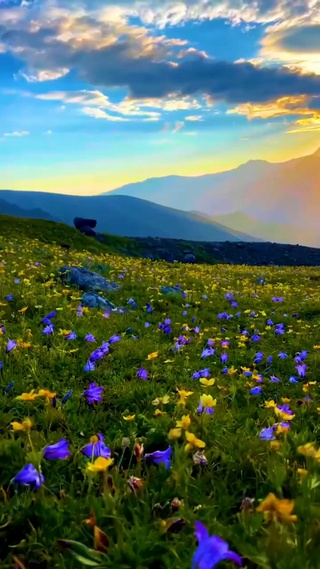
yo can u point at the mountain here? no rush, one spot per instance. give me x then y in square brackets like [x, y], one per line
[7, 208]
[239, 221]
[126, 216]
[278, 194]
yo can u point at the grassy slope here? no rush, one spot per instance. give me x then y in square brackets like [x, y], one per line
[239, 463]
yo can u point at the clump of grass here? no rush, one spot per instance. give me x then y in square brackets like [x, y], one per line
[109, 519]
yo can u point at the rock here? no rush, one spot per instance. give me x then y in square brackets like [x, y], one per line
[189, 258]
[95, 300]
[171, 290]
[79, 222]
[86, 230]
[87, 280]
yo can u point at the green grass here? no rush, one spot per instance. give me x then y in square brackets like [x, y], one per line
[137, 524]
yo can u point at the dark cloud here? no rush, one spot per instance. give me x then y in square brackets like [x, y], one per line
[300, 39]
[224, 81]
[146, 77]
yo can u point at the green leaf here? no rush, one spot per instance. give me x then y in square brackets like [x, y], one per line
[82, 553]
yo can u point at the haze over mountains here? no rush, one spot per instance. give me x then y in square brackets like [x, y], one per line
[277, 202]
[123, 215]
[256, 201]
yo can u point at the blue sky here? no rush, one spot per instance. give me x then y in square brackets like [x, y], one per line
[92, 98]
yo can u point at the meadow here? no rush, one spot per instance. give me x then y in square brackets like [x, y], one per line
[180, 433]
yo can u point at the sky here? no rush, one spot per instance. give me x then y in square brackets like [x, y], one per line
[95, 94]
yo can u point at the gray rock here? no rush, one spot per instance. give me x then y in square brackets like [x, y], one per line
[80, 222]
[171, 290]
[189, 258]
[86, 280]
[86, 230]
[95, 300]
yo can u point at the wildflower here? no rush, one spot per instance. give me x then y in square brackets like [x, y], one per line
[201, 373]
[193, 442]
[11, 345]
[59, 450]
[66, 397]
[48, 330]
[174, 433]
[275, 509]
[199, 458]
[93, 393]
[256, 390]
[71, 336]
[164, 400]
[184, 422]
[142, 373]
[153, 356]
[301, 369]
[46, 393]
[309, 450]
[135, 483]
[207, 382]
[183, 396]
[207, 352]
[90, 338]
[211, 550]
[27, 396]
[159, 413]
[160, 457]
[207, 404]
[101, 464]
[96, 447]
[129, 417]
[90, 366]
[115, 338]
[10, 385]
[25, 425]
[267, 434]
[29, 476]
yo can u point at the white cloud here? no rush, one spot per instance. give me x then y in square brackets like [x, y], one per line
[17, 133]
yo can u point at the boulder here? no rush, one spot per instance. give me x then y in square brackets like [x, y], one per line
[171, 290]
[79, 222]
[86, 230]
[189, 258]
[86, 280]
[95, 300]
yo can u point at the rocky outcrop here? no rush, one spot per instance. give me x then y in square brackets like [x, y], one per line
[86, 226]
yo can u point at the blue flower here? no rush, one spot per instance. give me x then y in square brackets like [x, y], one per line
[160, 456]
[93, 450]
[29, 476]
[58, 451]
[256, 390]
[211, 550]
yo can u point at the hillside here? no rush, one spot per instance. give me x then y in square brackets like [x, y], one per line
[7, 208]
[125, 216]
[170, 250]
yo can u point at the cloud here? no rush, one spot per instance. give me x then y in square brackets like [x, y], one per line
[303, 106]
[17, 133]
[100, 114]
[193, 118]
[178, 126]
[298, 46]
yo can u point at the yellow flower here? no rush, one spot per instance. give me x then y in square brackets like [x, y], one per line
[232, 370]
[283, 415]
[184, 422]
[183, 396]
[207, 382]
[277, 510]
[23, 310]
[309, 450]
[285, 400]
[46, 393]
[101, 464]
[193, 442]
[159, 413]
[207, 401]
[25, 425]
[302, 472]
[94, 439]
[129, 417]
[153, 355]
[164, 400]
[174, 434]
[282, 429]
[28, 396]
[275, 445]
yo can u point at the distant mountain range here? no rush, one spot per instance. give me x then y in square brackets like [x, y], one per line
[279, 202]
[258, 201]
[120, 215]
